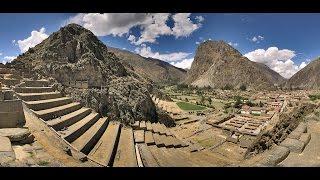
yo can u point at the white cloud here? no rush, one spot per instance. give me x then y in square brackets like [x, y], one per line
[152, 25]
[233, 44]
[146, 51]
[183, 26]
[0, 53]
[184, 64]
[116, 24]
[35, 38]
[278, 60]
[199, 18]
[257, 39]
[197, 42]
[8, 59]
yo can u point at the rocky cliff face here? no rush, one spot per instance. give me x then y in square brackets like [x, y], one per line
[74, 54]
[306, 78]
[218, 64]
[153, 69]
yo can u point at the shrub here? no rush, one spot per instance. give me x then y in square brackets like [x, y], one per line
[243, 87]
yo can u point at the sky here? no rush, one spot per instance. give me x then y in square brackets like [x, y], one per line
[284, 42]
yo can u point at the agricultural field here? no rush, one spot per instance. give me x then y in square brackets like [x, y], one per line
[189, 107]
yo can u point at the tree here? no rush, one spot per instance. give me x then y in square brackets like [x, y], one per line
[238, 103]
[243, 87]
[249, 103]
[227, 87]
[210, 100]
[202, 99]
[260, 104]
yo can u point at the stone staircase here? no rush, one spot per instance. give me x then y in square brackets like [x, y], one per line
[108, 143]
[84, 130]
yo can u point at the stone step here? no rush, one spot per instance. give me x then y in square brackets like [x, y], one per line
[136, 125]
[155, 127]
[198, 162]
[176, 142]
[162, 129]
[168, 132]
[139, 136]
[55, 112]
[143, 125]
[69, 119]
[76, 130]
[149, 138]
[158, 140]
[38, 96]
[37, 83]
[88, 139]
[168, 142]
[126, 154]
[104, 151]
[149, 126]
[146, 156]
[178, 160]
[161, 157]
[33, 89]
[48, 103]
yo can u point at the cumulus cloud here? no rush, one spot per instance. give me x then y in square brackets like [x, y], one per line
[116, 24]
[257, 39]
[35, 38]
[152, 25]
[146, 51]
[278, 60]
[184, 64]
[183, 26]
[233, 44]
[8, 59]
[199, 18]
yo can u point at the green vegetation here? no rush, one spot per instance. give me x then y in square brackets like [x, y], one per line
[43, 163]
[314, 97]
[188, 106]
[243, 87]
[227, 87]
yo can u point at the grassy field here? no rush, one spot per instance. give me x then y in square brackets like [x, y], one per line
[189, 107]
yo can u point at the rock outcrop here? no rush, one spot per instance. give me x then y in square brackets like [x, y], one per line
[74, 54]
[217, 64]
[306, 78]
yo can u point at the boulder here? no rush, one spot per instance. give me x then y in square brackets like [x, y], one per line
[305, 137]
[15, 134]
[294, 145]
[295, 134]
[275, 156]
[302, 127]
[6, 152]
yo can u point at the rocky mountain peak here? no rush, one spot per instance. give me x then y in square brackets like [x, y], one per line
[218, 64]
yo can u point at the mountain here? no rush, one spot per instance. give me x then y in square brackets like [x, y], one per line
[153, 69]
[306, 78]
[217, 64]
[75, 54]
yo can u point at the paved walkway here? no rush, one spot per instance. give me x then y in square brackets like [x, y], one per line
[311, 154]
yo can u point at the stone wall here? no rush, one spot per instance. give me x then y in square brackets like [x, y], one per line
[11, 114]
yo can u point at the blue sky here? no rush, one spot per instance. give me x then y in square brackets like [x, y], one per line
[284, 42]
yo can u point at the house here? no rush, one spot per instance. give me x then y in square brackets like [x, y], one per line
[258, 110]
[245, 109]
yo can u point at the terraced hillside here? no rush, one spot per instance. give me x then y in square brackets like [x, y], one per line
[106, 142]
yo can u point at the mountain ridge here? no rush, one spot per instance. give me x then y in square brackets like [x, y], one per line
[218, 64]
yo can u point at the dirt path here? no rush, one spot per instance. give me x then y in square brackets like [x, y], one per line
[311, 154]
